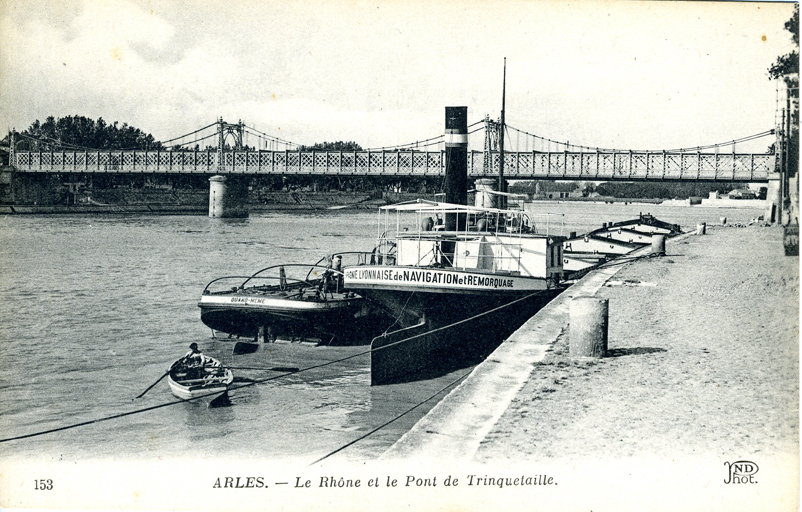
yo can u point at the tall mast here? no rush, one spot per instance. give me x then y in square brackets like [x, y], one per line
[502, 183]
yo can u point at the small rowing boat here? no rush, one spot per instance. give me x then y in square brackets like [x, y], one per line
[209, 379]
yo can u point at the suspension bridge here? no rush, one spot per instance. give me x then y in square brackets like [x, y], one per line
[235, 149]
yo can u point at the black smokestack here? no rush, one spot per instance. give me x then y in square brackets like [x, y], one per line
[456, 183]
[456, 138]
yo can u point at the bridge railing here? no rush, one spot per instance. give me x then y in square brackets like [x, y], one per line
[625, 166]
[629, 166]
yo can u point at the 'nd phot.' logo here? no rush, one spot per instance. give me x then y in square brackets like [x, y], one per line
[741, 472]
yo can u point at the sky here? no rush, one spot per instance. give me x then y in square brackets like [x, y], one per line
[612, 74]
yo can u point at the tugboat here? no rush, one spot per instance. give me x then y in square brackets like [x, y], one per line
[442, 276]
[453, 274]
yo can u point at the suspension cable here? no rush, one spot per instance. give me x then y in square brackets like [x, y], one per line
[269, 137]
[416, 144]
[190, 133]
[195, 141]
[679, 150]
[53, 142]
[408, 145]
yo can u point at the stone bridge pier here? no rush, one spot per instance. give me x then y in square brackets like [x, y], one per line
[228, 196]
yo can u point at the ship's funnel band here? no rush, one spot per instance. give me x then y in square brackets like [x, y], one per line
[456, 138]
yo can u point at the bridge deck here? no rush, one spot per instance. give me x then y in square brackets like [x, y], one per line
[624, 166]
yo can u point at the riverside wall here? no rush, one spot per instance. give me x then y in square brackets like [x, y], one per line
[44, 193]
[53, 200]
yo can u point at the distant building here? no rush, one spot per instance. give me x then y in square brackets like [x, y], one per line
[556, 190]
[741, 193]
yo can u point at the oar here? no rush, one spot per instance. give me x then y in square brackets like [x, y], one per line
[273, 369]
[244, 347]
[221, 400]
[151, 386]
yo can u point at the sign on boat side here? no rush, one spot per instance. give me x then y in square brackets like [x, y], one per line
[434, 280]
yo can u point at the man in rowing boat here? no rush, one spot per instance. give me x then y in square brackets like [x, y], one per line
[195, 362]
[194, 357]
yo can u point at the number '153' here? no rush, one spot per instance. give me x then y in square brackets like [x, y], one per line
[43, 485]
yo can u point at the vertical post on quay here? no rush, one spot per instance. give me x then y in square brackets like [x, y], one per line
[587, 330]
[659, 245]
[701, 228]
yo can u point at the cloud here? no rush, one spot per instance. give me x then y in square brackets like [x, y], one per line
[90, 64]
[621, 74]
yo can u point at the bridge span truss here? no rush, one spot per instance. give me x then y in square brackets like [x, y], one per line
[584, 166]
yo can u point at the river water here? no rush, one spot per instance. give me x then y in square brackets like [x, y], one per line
[95, 308]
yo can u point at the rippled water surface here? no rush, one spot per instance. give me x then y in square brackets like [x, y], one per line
[95, 308]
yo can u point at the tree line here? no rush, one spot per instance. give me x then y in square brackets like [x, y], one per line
[786, 68]
[79, 132]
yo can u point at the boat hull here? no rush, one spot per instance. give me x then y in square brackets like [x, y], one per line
[304, 316]
[444, 318]
[190, 389]
[455, 331]
[575, 262]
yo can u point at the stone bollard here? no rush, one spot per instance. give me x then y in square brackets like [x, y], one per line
[659, 245]
[701, 228]
[587, 329]
[723, 221]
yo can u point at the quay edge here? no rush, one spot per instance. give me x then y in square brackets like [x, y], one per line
[469, 412]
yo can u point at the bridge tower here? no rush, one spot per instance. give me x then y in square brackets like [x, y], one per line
[225, 129]
[783, 209]
[228, 195]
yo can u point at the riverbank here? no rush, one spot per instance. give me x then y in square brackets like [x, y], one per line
[282, 202]
[196, 202]
[702, 370]
[161, 209]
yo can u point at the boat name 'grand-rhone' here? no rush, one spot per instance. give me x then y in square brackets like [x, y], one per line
[428, 276]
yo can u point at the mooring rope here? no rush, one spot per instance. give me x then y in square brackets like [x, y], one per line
[261, 381]
[452, 383]
[617, 261]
